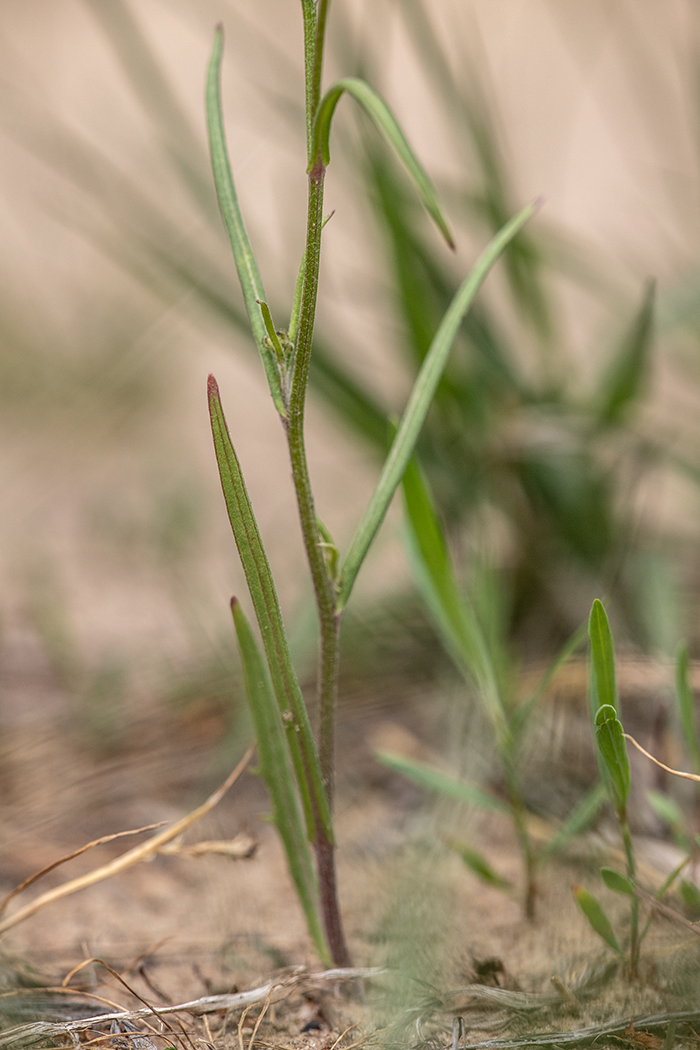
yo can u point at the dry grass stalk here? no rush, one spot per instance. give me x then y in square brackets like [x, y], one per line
[131, 857]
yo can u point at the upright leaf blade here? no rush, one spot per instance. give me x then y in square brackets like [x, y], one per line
[246, 266]
[686, 707]
[623, 384]
[274, 769]
[419, 402]
[611, 746]
[602, 658]
[267, 611]
[375, 106]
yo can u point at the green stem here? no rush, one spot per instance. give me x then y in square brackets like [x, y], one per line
[323, 585]
[517, 809]
[634, 905]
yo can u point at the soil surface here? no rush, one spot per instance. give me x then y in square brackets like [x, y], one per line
[180, 926]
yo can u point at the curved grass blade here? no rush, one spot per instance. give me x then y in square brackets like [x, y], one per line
[419, 402]
[597, 918]
[274, 769]
[267, 611]
[246, 266]
[454, 616]
[376, 108]
[427, 776]
[581, 817]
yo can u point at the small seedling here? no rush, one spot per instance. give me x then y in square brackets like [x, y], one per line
[296, 763]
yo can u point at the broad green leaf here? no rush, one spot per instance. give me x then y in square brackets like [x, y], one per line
[612, 749]
[616, 882]
[433, 779]
[623, 384]
[686, 707]
[581, 817]
[454, 616]
[604, 688]
[267, 611]
[418, 404]
[246, 266]
[597, 918]
[275, 770]
[479, 865]
[377, 109]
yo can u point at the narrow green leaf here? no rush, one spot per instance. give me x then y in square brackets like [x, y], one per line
[454, 616]
[479, 865]
[616, 882]
[246, 266]
[668, 810]
[597, 918]
[267, 611]
[581, 817]
[686, 707]
[612, 749]
[691, 899]
[271, 331]
[433, 779]
[602, 657]
[274, 768]
[623, 383]
[419, 402]
[377, 109]
[525, 709]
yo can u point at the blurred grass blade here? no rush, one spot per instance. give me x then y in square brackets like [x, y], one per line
[617, 882]
[478, 864]
[623, 384]
[419, 402]
[611, 746]
[262, 591]
[155, 94]
[668, 810]
[274, 770]
[427, 776]
[454, 616]
[578, 821]
[246, 266]
[602, 658]
[521, 715]
[597, 918]
[686, 707]
[377, 109]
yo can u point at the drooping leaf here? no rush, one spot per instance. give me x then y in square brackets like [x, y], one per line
[375, 106]
[267, 611]
[616, 882]
[418, 404]
[597, 918]
[433, 779]
[275, 770]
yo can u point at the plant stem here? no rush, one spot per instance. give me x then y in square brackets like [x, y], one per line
[634, 905]
[324, 587]
[517, 809]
